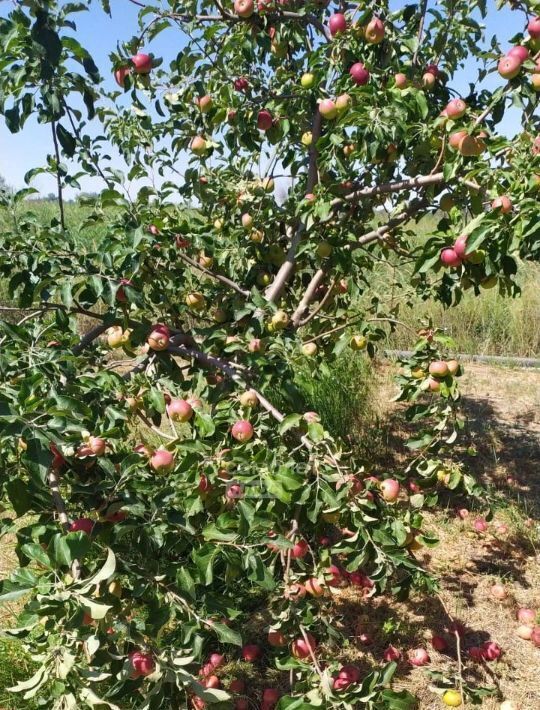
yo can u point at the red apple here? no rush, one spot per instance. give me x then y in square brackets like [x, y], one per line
[533, 27]
[85, 525]
[391, 653]
[350, 673]
[314, 587]
[212, 682]
[143, 664]
[276, 639]
[400, 81]
[491, 650]
[509, 66]
[242, 430]
[244, 8]
[237, 685]
[179, 410]
[439, 643]
[519, 51]
[418, 657]
[264, 120]
[328, 109]
[449, 257]
[460, 246]
[498, 591]
[159, 337]
[433, 69]
[303, 648]
[300, 549]
[390, 490]
[535, 636]
[456, 138]
[241, 84]
[456, 108]
[438, 368]
[337, 23]
[374, 32]
[234, 492]
[480, 525]
[526, 616]
[359, 74]
[120, 76]
[93, 446]
[142, 63]
[251, 652]
[503, 204]
[162, 461]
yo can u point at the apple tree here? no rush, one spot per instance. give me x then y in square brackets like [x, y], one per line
[174, 507]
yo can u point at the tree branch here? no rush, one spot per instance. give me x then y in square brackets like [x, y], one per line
[58, 177]
[308, 296]
[218, 277]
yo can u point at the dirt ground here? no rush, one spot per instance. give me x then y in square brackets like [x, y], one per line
[502, 407]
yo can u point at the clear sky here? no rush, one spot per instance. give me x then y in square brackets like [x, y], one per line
[99, 34]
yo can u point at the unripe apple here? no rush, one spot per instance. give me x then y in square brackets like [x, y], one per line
[205, 261]
[205, 103]
[453, 367]
[162, 461]
[299, 549]
[327, 109]
[489, 282]
[428, 80]
[264, 120]
[309, 349]
[198, 146]
[508, 705]
[524, 632]
[195, 301]
[452, 698]
[303, 648]
[509, 66]
[419, 657]
[115, 337]
[256, 235]
[498, 591]
[337, 23]
[324, 249]
[343, 103]
[115, 588]
[143, 664]
[242, 430]
[449, 257]
[307, 80]
[456, 108]
[535, 81]
[400, 81]
[247, 221]
[503, 204]
[276, 639]
[307, 138]
[85, 525]
[374, 32]
[390, 490]
[249, 399]
[120, 76]
[358, 342]
[446, 203]
[359, 74]
[533, 27]
[179, 410]
[142, 63]
[526, 616]
[280, 320]
[349, 149]
[244, 8]
[251, 652]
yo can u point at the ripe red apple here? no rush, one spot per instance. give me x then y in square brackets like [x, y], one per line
[241, 84]
[359, 74]
[365, 638]
[456, 138]
[120, 76]
[533, 27]
[237, 685]
[449, 257]
[264, 120]
[503, 204]
[327, 109]
[337, 23]
[498, 591]
[162, 461]
[491, 650]
[142, 63]
[143, 664]
[85, 525]
[234, 492]
[212, 682]
[391, 653]
[93, 446]
[256, 345]
[251, 652]
[400, 81]
[242, 430]
[314, 587]
[302, 648]
[438, 368]
[340, 684]
[433, 384]
[456, 108]
[270, 697]
[524, 632]
[350, 673]
[337, 577]
[509, 66]
[390, 490]
[179, 410]
[526, 616]
[299, 549]
[476, 653]
[419, 657]
[462, 513]
[276, 639]
[460, 246]
[433, 69]
[159, 337]
[519, 51]
[535, 636]
[374, 32]
[480, 525]
[439, 643]
[244, 8]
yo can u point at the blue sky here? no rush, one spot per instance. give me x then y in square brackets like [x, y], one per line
[100, 34]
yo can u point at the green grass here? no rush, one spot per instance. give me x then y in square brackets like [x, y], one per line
[15, 665]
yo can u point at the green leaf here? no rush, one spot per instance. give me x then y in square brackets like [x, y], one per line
[21, 582]
[226, 634]
[398, 700]
[70, 547]
[67, 141]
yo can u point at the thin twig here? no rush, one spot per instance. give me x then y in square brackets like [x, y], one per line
[58, 176]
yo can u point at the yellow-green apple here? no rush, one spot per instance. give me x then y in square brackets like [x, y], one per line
[324, 249]
[307, 138]
[307, 80]
[327, 109]
[195, 301]
[309, 349]
[249, 399]
[343, 103]
[205, 103]
[198, 146]
[247, 221]
[280, 320]
[358, 342]
[374, 32]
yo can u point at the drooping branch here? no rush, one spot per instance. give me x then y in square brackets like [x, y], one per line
[212, 274]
